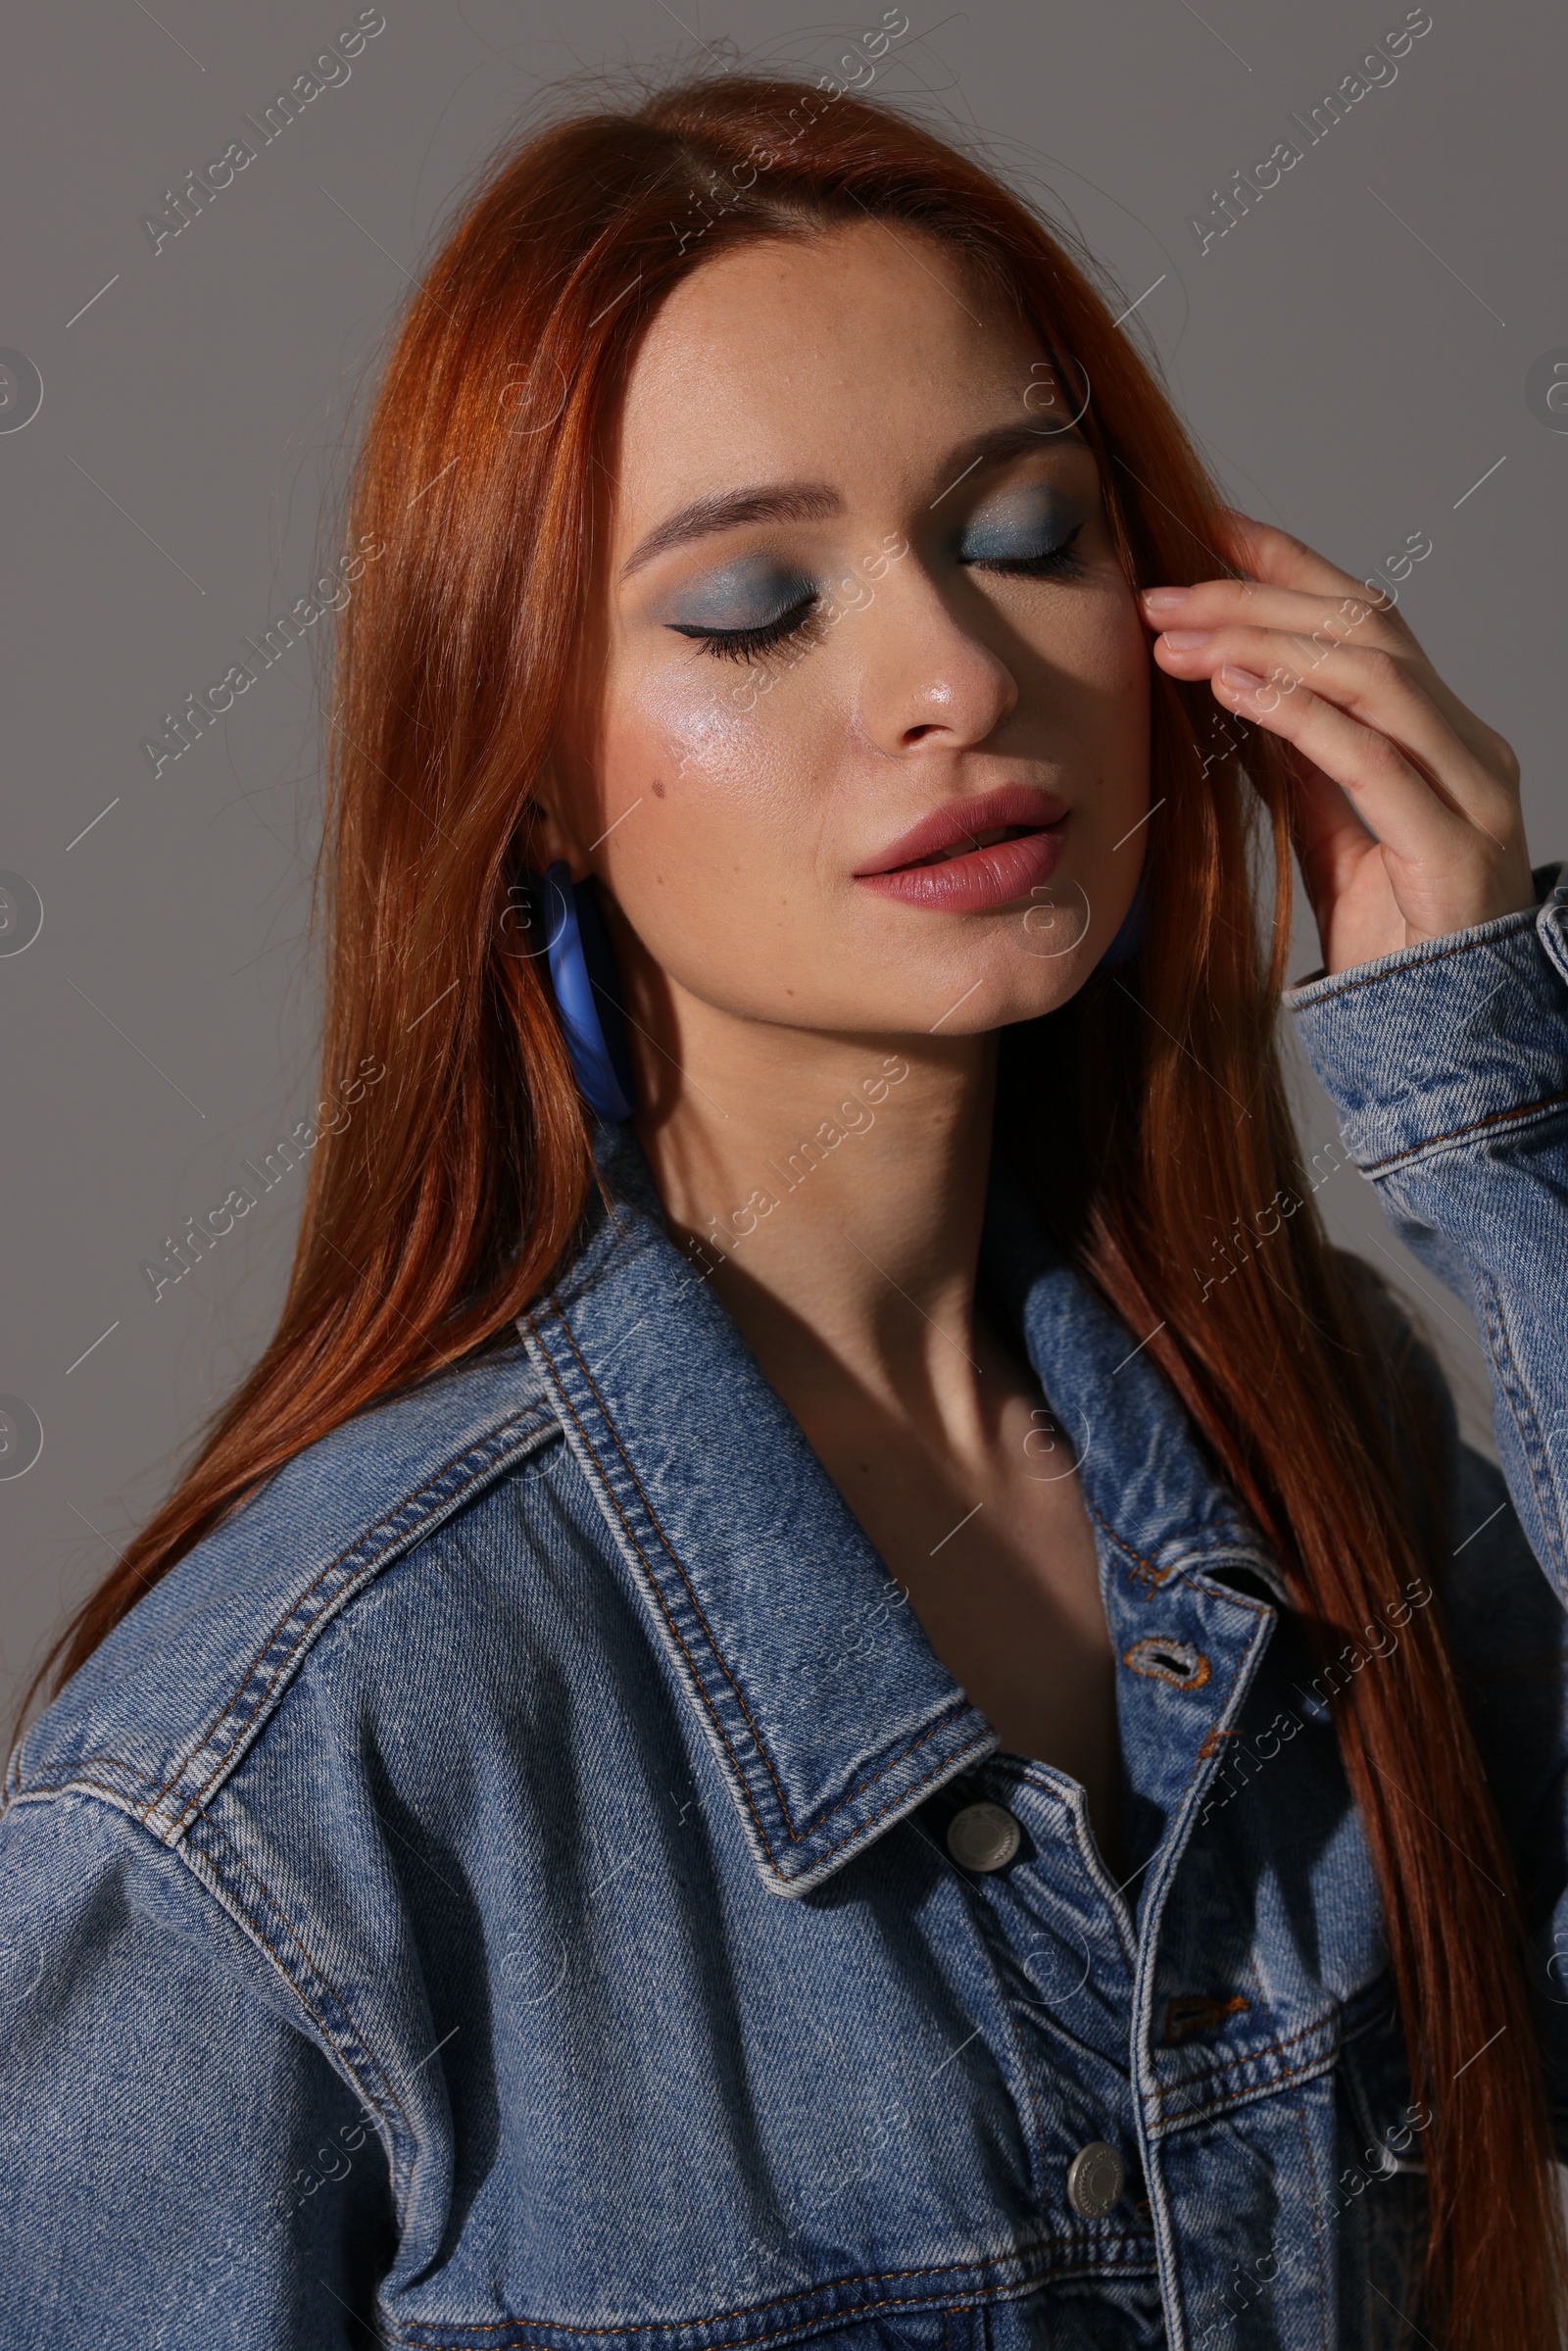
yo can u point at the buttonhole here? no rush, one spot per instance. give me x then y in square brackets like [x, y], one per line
[1166, 1660]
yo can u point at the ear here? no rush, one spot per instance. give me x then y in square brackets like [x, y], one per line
[545, 830]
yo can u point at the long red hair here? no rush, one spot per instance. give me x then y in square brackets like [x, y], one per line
[437, 1214]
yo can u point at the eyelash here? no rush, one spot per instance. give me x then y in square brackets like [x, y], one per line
[745, 643]
[748, 644]
[1057, 562]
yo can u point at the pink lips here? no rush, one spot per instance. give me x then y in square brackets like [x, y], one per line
[945, 862]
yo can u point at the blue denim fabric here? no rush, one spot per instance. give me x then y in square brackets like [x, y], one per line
[493, 1892]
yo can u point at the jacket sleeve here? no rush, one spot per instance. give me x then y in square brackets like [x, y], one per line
[182, 2162]
[1447, 1065]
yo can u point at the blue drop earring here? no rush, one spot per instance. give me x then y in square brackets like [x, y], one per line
[582, 972]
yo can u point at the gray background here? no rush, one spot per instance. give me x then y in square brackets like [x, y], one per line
[1352, 356]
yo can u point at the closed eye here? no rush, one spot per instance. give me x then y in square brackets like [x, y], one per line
[745, 643]
[1060, 562]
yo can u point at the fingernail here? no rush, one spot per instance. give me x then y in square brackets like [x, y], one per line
[1186, 640]
[1163, 599]
[1245, 681]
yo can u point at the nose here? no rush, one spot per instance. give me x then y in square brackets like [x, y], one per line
[927, 681]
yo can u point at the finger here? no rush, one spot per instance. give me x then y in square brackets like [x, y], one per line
[1312, 628]
[1324, 623]
[1276, 559]
[1272, 556]
[1324, 620]
[1334, 867]
[1372, 686]
[1392, 799]
[1293, 586]
[1329, 836]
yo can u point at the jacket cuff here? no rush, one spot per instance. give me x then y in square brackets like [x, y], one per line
[1433, 1045]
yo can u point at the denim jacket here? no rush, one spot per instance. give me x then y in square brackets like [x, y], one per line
[497, 1889]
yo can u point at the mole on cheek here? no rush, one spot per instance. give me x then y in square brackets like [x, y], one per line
[659, 788]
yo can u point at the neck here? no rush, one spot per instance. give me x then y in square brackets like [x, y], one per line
[833, 1187]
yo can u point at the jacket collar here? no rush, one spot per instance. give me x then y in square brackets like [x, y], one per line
[828, 1713]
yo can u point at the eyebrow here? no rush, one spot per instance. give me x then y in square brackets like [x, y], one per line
[812, 502]
[997, 447]
[782, 502]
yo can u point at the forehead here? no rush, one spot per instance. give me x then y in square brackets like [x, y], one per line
[849, 355]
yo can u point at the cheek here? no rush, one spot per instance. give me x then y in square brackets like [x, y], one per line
[1110, 651]
[1085, 693]
[708, 782]
[1110, 663]
[674, 725]
[1099, 665]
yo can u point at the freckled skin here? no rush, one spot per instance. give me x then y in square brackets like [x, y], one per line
[947, 682]
[765, 981]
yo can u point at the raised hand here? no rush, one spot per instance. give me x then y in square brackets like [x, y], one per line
[1405, 807]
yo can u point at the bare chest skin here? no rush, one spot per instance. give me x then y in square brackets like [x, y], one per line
[1000, 1570]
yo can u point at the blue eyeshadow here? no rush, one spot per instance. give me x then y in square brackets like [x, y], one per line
[746, 595]
[1029, 521]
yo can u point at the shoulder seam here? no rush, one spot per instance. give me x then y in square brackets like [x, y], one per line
[167, 1810]
[346, 2048]
[334, 1585]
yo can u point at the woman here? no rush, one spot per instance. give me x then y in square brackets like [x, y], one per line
[835, 1681]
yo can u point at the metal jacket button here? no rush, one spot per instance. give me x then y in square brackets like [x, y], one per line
[983, 1836]
[1096, 2178]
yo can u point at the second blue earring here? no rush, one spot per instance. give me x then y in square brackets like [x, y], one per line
[582, 972]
